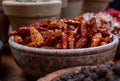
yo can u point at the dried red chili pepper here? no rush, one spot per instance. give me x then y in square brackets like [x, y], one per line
[92, 21]
[103, 30]
[64, 41]
[36, 36]
[96, 39]
[23, 31]
[18, 39]
[72, 22]
[58, 46]
[78, 18]
[71, 39]
[53, 38]
[56, 24]
[43, 24]
[65, 28]
[81, 42]
[26, 40]
[83, 29]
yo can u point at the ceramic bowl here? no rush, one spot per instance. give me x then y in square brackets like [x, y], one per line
[72, 9]
[117, 55]
[95, 5]
[38, 62]
[25, 13]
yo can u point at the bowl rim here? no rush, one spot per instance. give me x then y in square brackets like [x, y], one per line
[64, 52]
[17, 3]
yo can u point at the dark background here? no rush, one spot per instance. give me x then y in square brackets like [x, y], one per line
[115, 4]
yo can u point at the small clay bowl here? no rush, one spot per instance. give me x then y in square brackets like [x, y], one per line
[25, 13]
[117, 55]
[38, 62]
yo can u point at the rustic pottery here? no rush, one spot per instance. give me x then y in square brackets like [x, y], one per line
[25, 13]
[64, 3]
[37, 62]
[72, 9]
[4, 25]
[117, 55]
[95, 5]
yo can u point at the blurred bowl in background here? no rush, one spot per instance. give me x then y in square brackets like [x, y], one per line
[72, 9]
[95, 5]
[4, 25]
[25, 13]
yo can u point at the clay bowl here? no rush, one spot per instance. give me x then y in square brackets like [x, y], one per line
[117, 55]
[25, 13]
[37, 62]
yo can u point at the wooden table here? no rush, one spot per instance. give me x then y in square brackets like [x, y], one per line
[9, 71]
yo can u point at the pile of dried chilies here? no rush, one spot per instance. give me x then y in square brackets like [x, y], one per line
[63, 34]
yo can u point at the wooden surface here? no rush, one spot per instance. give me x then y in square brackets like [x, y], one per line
[9, 71]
